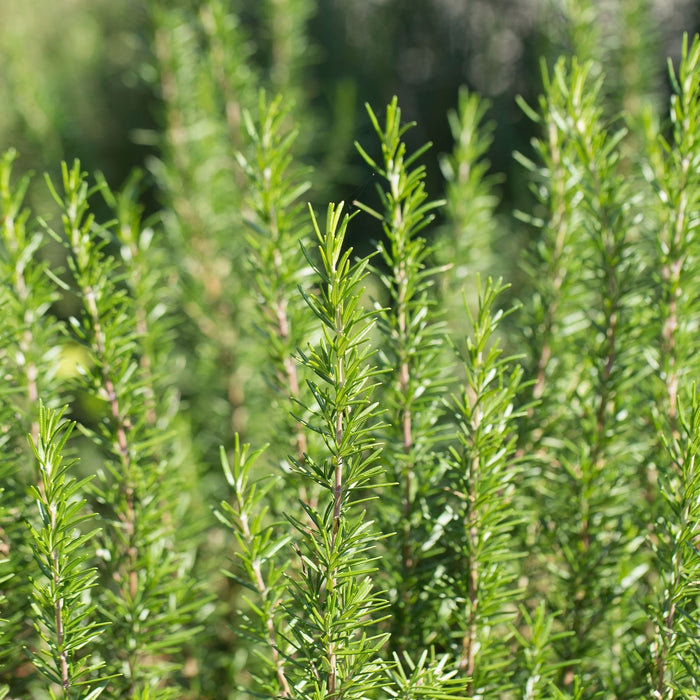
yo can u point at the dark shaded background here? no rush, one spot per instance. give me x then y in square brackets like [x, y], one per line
[77, 76]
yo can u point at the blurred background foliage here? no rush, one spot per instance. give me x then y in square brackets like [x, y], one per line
[70, 85]
[81, 79]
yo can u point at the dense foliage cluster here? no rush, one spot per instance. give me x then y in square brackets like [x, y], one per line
[246, 453]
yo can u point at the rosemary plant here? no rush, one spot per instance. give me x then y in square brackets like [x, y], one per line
[673, 173]
[424, 522]
[29, 362]
[263, 563]
[290, 48]
[467, 239]
[620, 39]
[674, 179]
[34, 335]
[479, 572]
[278, 224]
[333, 631]
[206, 62]
[675, 650]
[330, 602]
[202, 61]
[65, 614]
[142, 550]
[584, 428]
[410, 340]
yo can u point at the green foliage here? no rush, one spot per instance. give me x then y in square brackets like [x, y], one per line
[589, 433]
[278, 225]
[142, 552]
[260, 561]
[202, 66]
[64, 614]
[413, 379]
[60, 88]
[334, 635]
[466, 244]
[676, 649]
[489, 498]
[673, 174]
[480, 572]
[30, 363]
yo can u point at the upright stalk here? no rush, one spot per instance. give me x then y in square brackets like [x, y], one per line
[411, 333]
[139, 485]
[482, 470]
[336, 646]
[672, 170]
[65, 614]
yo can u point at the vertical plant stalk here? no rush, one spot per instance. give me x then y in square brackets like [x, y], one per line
[411, 337]
[30, 295]
[84, 259]
[64, 620]
[257, 551]
[482, 471]
[29, 359]
[559, 228]
[278, 224]
[291, 49]
[231, 70]
[676, 647]
[264, 591]
[676, 183]
[470, 640]
[609, 224]
[673, 174]
[143, 559]
[149, 281]
[467, 240]
[587, 371]
[340, 422]
[78, 223]
[549, 266]
[130, 234]
[334, 636]
[206, 80]
[30, 356]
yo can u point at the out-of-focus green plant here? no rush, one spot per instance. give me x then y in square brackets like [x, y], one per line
[672, 171]
[278, 225]
[466, 244]
[589, 290]
[69, 85]
[205, 79]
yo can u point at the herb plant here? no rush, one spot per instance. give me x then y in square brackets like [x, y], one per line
[246, 453]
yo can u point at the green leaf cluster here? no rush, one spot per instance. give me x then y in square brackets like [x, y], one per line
[497, 498]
